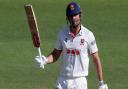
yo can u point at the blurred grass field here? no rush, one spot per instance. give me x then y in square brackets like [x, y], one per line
[107, 19]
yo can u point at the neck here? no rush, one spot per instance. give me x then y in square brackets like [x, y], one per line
[75, 29]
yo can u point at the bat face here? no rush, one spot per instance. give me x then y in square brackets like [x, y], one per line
[33, 25]
[36, 40]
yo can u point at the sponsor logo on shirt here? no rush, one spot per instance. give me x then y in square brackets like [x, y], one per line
[82, 42]
[73, 51]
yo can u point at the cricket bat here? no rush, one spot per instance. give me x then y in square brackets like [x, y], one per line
[33, 28]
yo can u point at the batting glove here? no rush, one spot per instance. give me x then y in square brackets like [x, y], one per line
[102, 85]
[41, 61]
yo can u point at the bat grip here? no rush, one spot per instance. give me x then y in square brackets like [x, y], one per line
[40, 55]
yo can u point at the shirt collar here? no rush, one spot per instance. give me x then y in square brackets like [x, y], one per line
[79, 34]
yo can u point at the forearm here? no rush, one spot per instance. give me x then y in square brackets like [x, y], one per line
[99, 69]
[98, 66]
[53, 56]
[51, 59]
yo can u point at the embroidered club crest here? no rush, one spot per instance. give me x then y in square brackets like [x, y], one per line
[82, 42]
[72, 7]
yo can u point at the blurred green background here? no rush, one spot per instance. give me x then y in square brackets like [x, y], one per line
[107, 19]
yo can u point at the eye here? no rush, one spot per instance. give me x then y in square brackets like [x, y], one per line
[73, 15]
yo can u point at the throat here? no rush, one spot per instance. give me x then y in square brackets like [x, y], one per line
[73, 34]
[75, 31]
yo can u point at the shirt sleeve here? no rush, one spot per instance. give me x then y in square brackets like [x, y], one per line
[58, 44]
[92, 44]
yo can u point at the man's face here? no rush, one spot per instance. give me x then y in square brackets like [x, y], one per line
[74, 20]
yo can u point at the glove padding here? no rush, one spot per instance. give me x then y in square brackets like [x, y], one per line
[41, 61]
[102, 85]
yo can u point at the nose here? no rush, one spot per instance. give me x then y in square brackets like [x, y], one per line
[73, 17]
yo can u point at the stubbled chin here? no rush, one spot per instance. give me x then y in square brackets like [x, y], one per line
[75, 24]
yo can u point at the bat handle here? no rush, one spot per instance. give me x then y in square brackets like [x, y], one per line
[40, 55]
[39, 52]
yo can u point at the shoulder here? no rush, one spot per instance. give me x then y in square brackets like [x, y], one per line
[64, 30]
[86, 31]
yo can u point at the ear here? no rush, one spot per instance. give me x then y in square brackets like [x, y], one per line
[81, 14]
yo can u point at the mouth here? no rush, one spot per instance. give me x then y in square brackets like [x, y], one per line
[75, 23]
